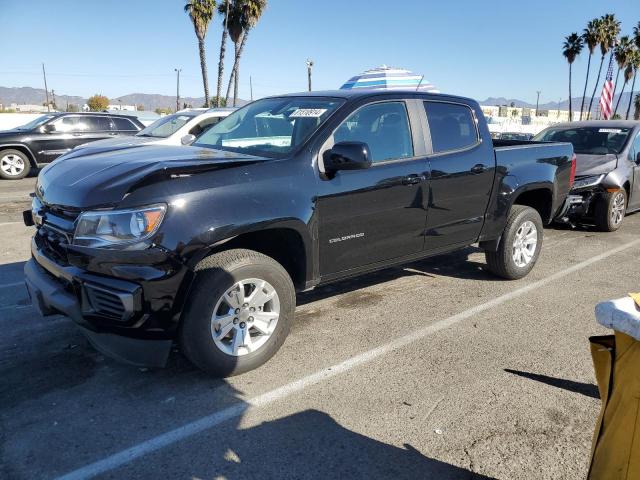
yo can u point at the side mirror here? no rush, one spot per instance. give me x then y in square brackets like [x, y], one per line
[187, 139]
[347, 156]
[48, 128]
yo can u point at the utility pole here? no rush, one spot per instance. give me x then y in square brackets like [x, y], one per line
[538, 101]
[559, 100]
[309, 67]
[46, 89]
[251, 87]
[178, 70]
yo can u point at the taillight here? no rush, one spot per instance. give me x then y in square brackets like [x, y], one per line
[572, 174]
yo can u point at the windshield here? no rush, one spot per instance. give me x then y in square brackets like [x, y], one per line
[588, 140]
[272, 127]
[166, 126]
[35, 122]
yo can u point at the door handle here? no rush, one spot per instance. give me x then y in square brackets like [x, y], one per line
[413, 179]
[479, 168]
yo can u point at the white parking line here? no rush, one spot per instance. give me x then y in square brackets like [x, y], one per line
[15, 284]
[168, 438]
[11, 223]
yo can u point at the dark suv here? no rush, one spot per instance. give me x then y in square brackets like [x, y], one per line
[47, 137]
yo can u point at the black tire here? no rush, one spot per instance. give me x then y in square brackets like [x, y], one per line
[214, 276]
[21, 157]
[501, 262]
[603, 211]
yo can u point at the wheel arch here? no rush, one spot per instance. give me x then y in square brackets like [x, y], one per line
[21, 148]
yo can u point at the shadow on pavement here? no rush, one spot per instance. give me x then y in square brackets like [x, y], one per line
[11, 273]
[454, 265]
[312, 445]
[586, 389]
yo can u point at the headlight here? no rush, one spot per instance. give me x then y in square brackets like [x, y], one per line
[587, 181]
[118, 227]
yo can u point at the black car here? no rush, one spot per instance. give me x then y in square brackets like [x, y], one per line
[206, 245]
[607, 185]
[47, 137]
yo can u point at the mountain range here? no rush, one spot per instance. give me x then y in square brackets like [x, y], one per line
[37, 96]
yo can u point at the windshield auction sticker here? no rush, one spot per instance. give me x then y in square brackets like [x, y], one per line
[308, 113]
[609, 130]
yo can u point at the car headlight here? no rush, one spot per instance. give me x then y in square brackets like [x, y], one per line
[585, 182]
[118, 227]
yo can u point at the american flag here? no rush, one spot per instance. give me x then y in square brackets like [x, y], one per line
[606, 98]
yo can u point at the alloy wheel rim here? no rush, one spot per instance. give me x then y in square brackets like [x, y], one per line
[617, 209]
[245, 317]
[12, 165]
[524, 244]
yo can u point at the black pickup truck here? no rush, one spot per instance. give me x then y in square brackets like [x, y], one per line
[207, 245]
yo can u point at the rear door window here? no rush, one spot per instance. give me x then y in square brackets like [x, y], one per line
[452, 126]
[383, 126]
[98, 124]
[124, 125]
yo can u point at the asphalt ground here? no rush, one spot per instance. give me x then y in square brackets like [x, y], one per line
[435, 370]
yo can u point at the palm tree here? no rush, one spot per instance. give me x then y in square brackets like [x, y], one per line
[636, 103]
[201, 13]
[591, 39]
[249, 12]
[223, 9]
[608, 34]
[571, 48]
[235, 30]
[634, 64]
[629, 70]
[621, 53]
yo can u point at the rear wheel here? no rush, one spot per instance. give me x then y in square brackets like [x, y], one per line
[13, 164]
[519, 246]
[239, 312]
[610, 210]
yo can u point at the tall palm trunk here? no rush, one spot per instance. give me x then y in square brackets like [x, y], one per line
[570, 101]
[615, 110]
[223, 48]
[237, 67]
[633, 86]
[595, 87]
[203, 66]
[584, 92]
[233, 74]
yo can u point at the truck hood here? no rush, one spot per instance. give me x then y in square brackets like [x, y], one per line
[595, 164]
[124, 141]
[102, 177]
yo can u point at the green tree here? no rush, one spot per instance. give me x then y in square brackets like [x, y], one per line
[243, 17]
[223, 9]
[571, 48]
[72, 107]
[163, 111]
[621, 52]
[591, 39]
[609, 28]
[98, 102]
[636, 40]
[140, 107]
[201, 13]
[632, 70]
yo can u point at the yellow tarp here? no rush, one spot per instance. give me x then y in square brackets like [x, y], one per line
[616, 441]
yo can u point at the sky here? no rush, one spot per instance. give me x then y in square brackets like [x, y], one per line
[465, 47]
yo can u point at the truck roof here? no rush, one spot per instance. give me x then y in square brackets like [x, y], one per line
[362, 93]
[599, 124]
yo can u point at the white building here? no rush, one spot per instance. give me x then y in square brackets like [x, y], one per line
[128, 108]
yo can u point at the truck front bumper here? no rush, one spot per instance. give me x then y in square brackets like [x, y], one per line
[121, 318]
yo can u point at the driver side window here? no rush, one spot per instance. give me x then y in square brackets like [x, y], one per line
[634, 152]
[384, 127]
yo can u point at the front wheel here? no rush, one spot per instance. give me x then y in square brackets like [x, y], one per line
[610, 210]
[238, 313]
[14, 165]
[519, 246]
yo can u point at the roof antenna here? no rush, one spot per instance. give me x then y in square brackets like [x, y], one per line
[420, 83]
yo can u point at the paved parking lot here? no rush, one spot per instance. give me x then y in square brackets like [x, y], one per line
[436, 370]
